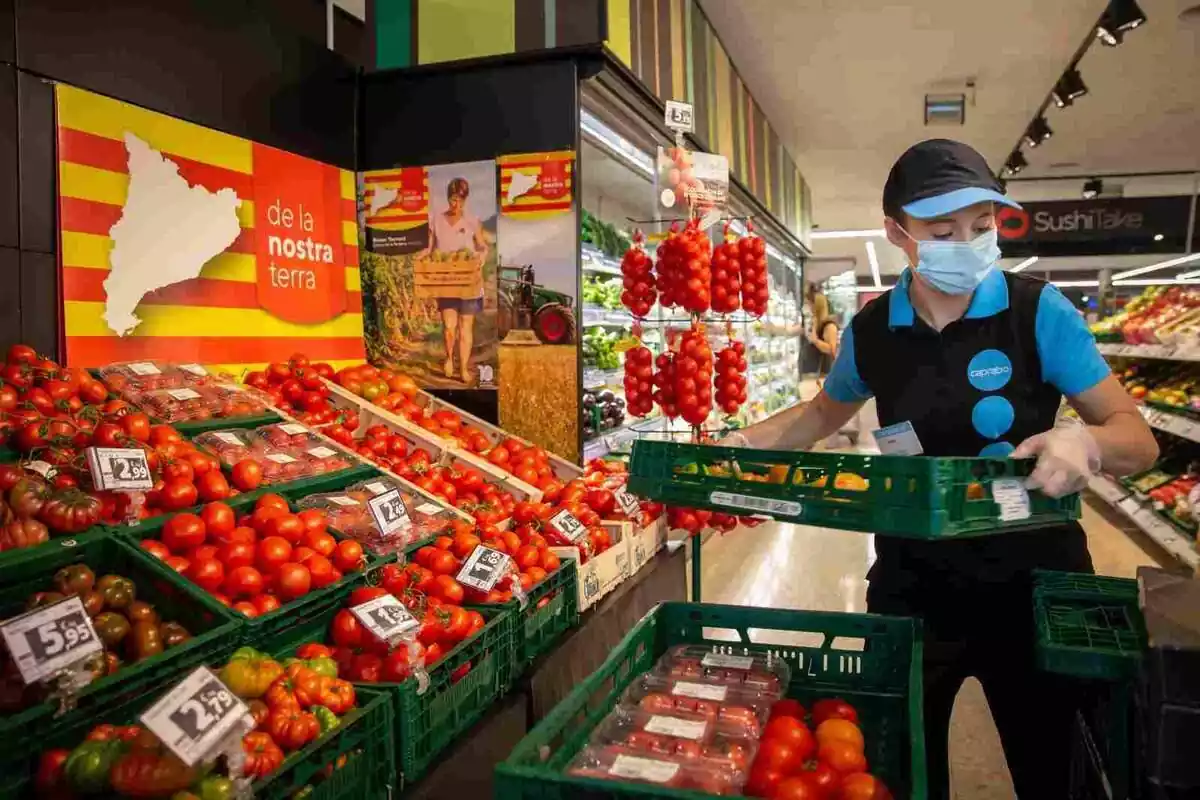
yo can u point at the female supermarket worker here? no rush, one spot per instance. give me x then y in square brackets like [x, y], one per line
[964, 359]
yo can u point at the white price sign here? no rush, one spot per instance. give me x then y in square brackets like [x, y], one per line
[195, 717]
[195, 369]
[626, 502]
[143, 368]
[483, 568]
[293, 428]
[183, 394]
[566, 523]
[389, 512]
[119, 468]
[1012, 497]
[386, 618]
[48, 640]
[680, 116]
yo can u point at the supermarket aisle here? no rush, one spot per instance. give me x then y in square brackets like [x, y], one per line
[791, 566]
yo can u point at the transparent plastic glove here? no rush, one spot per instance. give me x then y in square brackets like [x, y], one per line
[1067, 456]
[734, 439]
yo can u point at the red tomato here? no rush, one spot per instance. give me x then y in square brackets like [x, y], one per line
[219, 521]
[348, 556]
[287, 526]
[177, 494]
[313, 519]
[777, 756]
[862, 786]
[345, 630]
[237, 554]
[842, 757]
[271, 501]
[137, 426]
[261, 516]
[762, 781]
[178, 470]
[794, 732]
[840, 730]
[177, 563]
[156, 548]
[213, 486]
[442, 562]
[246, 608]
[795, 788]
[292, 581]
[243, 582]
[835, 708]
[322, 571]
[246, 475]
[207, 573]
[448, 589]
[824, 778]
[204, 551]
[183, 532]
[319, 541]
[243, 534]
[265, 603]
[788, 708]
[273, 551]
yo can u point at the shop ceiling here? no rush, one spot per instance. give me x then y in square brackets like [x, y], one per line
[845, 87]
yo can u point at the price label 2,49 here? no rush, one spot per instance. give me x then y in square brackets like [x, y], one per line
[568, 525]
[483, 568]
[389, 511]
[119, 468]
[385, 617]
[626, 502]
[193, 718]
[50, 639]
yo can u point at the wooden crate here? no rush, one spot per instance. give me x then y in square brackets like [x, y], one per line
[460, 278]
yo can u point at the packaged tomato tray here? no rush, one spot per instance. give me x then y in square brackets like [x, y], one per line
[296, 440]
[421, 506]
[715, 776]
[234, 445]
[350, 515]
[682, 733]
[734, 704]
[180, 404]
[757, 672]
[148, 375]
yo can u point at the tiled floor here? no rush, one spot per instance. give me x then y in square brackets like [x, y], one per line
[789, 566]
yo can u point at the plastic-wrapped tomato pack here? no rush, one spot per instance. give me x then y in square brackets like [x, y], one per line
[349, 514]
[691, 734]
[145, 376]
[235, 445]
[733, 704]
[755, 672]
[296, 440]
[715, 776]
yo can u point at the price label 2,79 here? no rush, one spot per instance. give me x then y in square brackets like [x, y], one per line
[568, 525]
[626, 502]
[386, 618]
[119, 468]
[193, 718]
[50, 639]
[389, 511]
[483, 568]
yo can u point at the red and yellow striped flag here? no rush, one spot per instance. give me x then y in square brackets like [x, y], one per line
[544, 186]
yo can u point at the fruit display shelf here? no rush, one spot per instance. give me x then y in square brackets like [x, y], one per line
[1142, 515]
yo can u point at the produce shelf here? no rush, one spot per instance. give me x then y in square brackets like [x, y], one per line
[1162, 352]
[882, 680]
[1147, 520]
[1172, 423]
[924, 498]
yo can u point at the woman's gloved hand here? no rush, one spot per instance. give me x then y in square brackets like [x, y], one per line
[1067, 457]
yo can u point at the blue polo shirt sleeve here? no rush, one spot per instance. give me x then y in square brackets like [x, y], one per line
[1070, 359]
[844, 383]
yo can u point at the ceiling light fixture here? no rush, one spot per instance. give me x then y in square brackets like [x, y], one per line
[1075, 284]
[1172, 262]
[1092, 188]
[1120, 17]
[859, 234]
[1180, 280]
[1069, 88]
[1158, 237]
[1029, 262]
[1016, 162]
[874, 259]
[1038, 132]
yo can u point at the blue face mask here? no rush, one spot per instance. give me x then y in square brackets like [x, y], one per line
[957, 267]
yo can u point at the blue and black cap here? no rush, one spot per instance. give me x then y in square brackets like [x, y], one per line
[940, 176]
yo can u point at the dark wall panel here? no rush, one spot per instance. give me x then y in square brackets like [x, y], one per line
[8, 157]
[579, 22]
[35, 137]
[477, 112]
[39, 293]
[10, 296]
[228, 64]
[8, 46]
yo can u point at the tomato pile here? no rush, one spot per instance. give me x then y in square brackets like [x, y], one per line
[731, 377]
[295, 386]
[130, 629]
[637, 280]
[726, 276]
[639, 381]
[444, 624]
[260, 562]
[693, 371]
[796, 762]
[752, 254]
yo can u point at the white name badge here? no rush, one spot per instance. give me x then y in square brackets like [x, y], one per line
[898, 440]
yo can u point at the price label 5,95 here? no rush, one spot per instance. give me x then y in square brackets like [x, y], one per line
[50, 639]
[119, 468]
[193, 718]
[389, 512]
[386, 618]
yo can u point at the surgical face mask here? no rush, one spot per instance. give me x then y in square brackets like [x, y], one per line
[957, 267]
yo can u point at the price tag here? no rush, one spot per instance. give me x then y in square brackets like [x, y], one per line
[1129, 505]
[679, 116]
[322, 452]
[143, 368]
[429, 509]
[674, 726]
[389, 512]
[183, 394]
[724, 661]
[195, 369]
[377, 487]
[280, 458]
[484, 567]
[643, 769]
[700, 691]
[386, 618]
[1012, 497]
[48, 640]
[293, 428]
[119, 468]
[565, 523]
[626, 502]
[228, 438]
[342, 500]
[193, 718]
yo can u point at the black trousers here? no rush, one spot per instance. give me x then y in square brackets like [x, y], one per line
[985, 629]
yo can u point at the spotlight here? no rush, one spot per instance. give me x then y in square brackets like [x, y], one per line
[1038, 132]
[1069, 88]
[1092, 188]
[1120, 17]
[1016, 162]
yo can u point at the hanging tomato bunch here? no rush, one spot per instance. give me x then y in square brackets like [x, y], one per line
[693, 376]
[664, 382]
[752, 255]
[637, 280]
[639, 380]
[726, 276]
[684, 269]
[731, 377]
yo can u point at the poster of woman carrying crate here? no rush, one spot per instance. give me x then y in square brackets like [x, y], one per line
[430, 273]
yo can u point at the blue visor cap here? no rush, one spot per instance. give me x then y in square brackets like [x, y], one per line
[949, 202]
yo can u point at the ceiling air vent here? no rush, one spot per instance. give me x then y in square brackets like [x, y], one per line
[945, 109]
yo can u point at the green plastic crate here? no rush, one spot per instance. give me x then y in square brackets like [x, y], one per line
[193, 429]
[881, 678]
[1088, 626]
[551, 608]
[214, 629]
[16, 565]
[914, 497]
[425, 724]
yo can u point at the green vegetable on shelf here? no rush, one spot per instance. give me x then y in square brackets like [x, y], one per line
[598, 349]
[603, 293]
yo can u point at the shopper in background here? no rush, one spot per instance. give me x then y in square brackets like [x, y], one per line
[451, 231]
[966, 360]
[824, 339]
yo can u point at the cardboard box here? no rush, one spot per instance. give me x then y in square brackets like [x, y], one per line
[646, 542]
[600, 575]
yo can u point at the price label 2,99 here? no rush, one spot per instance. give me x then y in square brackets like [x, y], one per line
[193, 718]
[119, 468]
[50, 639]
[483, 568]
[386, 618]
[568, 525]
[389, 511]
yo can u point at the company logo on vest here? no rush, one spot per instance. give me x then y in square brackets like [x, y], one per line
[989, 370]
